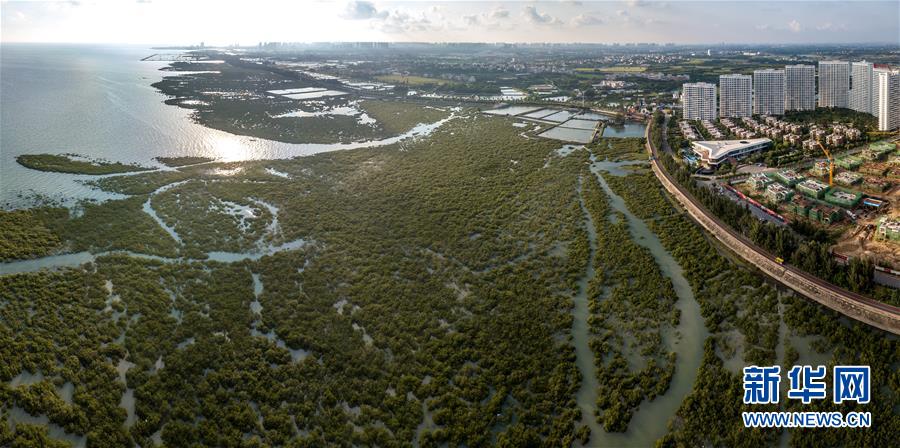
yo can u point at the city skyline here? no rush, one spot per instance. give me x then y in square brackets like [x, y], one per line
[680, 22]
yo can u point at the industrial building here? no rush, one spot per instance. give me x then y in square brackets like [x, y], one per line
[812, 188]
[799, 87]
[768, 92]
[834, 83]
[713, 153]
[698, 100]
[735, 96]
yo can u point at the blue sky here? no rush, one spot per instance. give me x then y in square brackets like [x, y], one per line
[248, 22]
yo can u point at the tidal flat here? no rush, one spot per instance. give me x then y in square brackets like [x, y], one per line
[427, 292]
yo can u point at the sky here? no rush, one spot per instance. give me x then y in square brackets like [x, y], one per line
[227, 22]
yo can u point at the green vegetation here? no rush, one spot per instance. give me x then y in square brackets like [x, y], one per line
[745, 317]
[454, 244]
[183, 160]
[411, 80]
[628, 320]
[66, 163]
[235, 100]
[433, 306]
[23, 234]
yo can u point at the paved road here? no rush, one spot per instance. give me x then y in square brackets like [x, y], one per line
[850, 304]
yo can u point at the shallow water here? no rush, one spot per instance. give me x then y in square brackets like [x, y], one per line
[650, 422]
[97, 100]
[581, 332]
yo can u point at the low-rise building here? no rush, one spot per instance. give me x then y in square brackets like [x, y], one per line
[877, 151]
[788, 177]
[824, 213]
[843, 198]
[876, 184]
[848, 178]
[888, 229]
[848, 162]
[819, 168]
[812, 188]
[759, 181]
[835, 139]
[776, 192]
[714, 152]
[800, 206]
[874, 168]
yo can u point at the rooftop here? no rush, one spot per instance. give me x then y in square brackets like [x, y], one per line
[720, 148]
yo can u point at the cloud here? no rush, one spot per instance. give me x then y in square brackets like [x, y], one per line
[363, 10]
[536, 17]
[586, 20]
[794, 26]
[401, 22]
[828, 26]
[499, 13]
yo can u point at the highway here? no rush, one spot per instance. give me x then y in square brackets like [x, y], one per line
[848, 303]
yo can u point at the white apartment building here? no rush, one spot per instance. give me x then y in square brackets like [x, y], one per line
[834, 84]
[861, 86]
[887, 85]
[735, 96]
[698, 101]
[768, 92]
[799, 87]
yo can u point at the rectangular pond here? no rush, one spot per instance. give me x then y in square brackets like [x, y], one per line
[559, 117]
[297, 90]
[511, 110]
[569, 134]
[315, 95]
[575, 123]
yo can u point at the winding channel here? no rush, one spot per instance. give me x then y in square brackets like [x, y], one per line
[650, 421]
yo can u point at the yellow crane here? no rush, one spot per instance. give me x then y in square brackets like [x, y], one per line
[830, 163]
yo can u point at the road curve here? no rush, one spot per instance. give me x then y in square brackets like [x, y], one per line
[848, 303]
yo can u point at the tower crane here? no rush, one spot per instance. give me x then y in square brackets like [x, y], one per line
[830, 163]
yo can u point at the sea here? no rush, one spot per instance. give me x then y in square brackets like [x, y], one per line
[97, 101]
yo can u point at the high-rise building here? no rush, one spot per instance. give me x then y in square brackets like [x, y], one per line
[887, 84]
[875, 90]
[698, 101]
[768, 92]
[834, 84]
[799, 87]
[861, 86]
[735, 96]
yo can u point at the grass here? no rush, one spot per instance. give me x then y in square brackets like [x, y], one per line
[65, 163]
[183, 160]
[617, 69]
[411, 80]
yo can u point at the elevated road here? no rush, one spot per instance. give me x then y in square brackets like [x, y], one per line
[848, 303]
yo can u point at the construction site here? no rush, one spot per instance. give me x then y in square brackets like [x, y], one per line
[851, 197]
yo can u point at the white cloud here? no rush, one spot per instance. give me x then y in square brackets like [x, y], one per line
[532, 15]
[499, 13]
[363, 10]
[586, 20]
[828, 26]
[794, 26]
